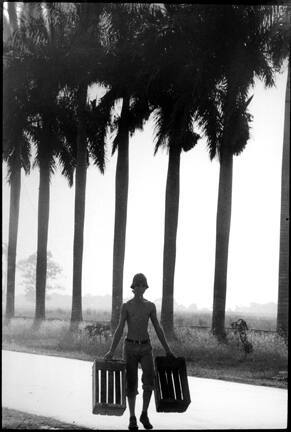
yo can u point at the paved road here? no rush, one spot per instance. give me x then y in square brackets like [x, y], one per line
[62, 388]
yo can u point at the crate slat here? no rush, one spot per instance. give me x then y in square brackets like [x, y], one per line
[110, 387]
[177, 384]
[164, 384]
[103, 386]
[170, 383]
[117, 387]
[96, 383]
[184, 383]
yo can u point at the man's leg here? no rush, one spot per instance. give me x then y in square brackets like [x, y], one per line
[131, 405]
[147, 394]
[147, 366]
[132, 419]
[131, 385]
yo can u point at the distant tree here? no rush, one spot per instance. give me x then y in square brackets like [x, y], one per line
[27, 267]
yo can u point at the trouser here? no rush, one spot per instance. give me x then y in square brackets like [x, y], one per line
[134, 354]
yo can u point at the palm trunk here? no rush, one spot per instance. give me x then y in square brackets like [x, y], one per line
[13, 232]
[170, 235]
[283, 293]
[14, 204]
[121, 195]
[42, 237]
[80, 194]
[222, 241]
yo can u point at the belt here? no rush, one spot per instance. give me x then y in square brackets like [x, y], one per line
[137, 341]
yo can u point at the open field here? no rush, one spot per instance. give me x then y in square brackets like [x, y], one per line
[266, 365]
[197, 318]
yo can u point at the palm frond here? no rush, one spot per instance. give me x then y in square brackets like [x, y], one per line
[209, 119]
[238, 132]
[139, 112]
[100, 120]
[26, 154]
[97, 119]
[98, 154]
[66, 114]
[161, 128]
[67, 162]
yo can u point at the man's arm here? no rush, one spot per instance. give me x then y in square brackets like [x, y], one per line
[159, 330]
[118, 333]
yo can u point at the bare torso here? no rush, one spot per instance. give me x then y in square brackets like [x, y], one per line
[138, 314]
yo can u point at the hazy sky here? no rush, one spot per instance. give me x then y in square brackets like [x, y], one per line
[254, 238]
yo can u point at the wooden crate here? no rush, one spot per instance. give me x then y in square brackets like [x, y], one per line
[109, 387]
[171, 384]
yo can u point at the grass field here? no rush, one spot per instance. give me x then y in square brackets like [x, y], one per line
[197, 318]
[266, 365]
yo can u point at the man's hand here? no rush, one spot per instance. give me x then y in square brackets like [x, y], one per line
[108, 355]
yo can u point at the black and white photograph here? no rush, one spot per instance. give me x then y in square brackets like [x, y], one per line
[145, 215]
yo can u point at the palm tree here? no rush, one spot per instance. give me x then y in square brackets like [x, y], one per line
[181, 89]
[174, 129]
[283, 294]
[245, 51]
[123, 77]
[16, 148]
[16, 153]
[80, 188]
[45, 162]
[121, 195]
[49, 43]
[131, 118]
[87, 144]
[82, 64]
[239, 121]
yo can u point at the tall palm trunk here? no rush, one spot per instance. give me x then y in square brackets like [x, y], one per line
[15, 186]
[121, 195]
[80, 195]
[170, 235]
[223, 218]
[42, 238]
[283, 293]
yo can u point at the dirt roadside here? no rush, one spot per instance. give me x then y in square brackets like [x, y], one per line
[12, 419]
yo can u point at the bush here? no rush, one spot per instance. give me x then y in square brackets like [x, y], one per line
[196, 345]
